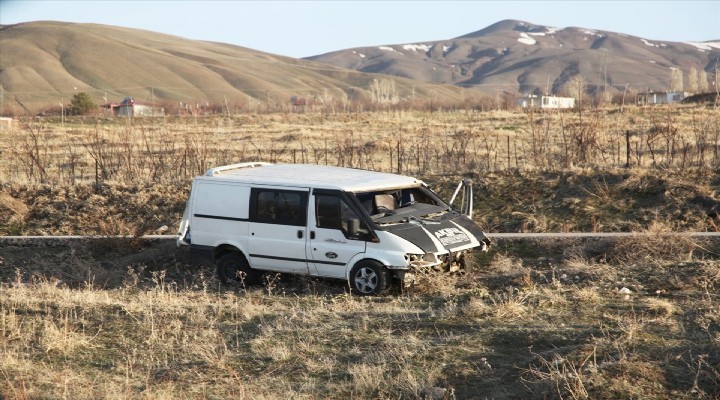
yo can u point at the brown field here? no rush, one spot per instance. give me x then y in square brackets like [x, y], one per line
[602, 319]
[174, 149]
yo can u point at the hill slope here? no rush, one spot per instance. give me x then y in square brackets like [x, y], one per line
[44, 62]
[518, 56]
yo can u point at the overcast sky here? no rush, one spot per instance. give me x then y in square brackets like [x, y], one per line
[307, 28]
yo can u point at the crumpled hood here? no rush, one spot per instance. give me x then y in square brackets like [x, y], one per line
[455, 234]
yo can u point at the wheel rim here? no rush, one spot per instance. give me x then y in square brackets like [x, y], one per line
[366, 280]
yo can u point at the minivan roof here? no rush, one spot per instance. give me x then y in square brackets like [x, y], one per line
[313, 176]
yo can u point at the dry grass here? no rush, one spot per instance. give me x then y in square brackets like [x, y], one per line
[88, 170]
[605, 319]
[139, 208]
[517, 327]
[174, 148]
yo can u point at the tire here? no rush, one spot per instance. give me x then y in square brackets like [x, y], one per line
[369, 278]
[467, 263]
[233, 267]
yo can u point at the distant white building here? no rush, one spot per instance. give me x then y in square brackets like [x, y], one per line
[549, 102]
[131, 108]
[651, 97]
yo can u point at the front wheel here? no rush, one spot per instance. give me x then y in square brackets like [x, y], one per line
[233, 267]
[369, 278]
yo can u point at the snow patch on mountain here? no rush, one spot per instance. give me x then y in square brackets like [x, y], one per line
[389, 49]
[647, 43]
[524, 38]
[704, 46]
[416, 47]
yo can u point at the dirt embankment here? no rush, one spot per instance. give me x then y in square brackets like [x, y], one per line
[536, 201]
[113, 209]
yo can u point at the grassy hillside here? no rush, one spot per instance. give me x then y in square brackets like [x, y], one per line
[46, 62]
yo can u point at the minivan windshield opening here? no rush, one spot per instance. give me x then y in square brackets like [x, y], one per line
[401, 205]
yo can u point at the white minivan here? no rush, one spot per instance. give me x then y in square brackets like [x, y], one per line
[361, 226]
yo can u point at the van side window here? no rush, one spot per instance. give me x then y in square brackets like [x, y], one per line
[327, 212]
[333, 213]
[284, 207]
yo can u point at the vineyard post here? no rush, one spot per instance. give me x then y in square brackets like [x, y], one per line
[627, 149]
[508, 151]
[399, 166]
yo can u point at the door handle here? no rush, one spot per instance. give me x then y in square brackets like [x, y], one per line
[312, 234]
[300, 234]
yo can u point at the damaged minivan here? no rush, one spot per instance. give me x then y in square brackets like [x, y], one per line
[368, 228]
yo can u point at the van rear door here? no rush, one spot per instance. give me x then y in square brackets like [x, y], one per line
[278, 229]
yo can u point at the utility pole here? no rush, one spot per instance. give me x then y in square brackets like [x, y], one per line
[623, 98]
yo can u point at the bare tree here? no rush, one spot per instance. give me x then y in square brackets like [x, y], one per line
[693, 80]
[676, 79]
[576, 88]
[383, 91]
[703, 81]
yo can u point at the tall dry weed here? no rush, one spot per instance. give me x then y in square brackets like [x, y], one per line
[424, 144]
[557, 375]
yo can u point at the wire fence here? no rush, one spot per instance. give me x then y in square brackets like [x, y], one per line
[412, 143]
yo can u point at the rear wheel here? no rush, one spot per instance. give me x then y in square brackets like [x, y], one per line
[369, 278]
[233, 267]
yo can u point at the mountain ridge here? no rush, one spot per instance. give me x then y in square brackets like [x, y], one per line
[46, 62]
[523, 57]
